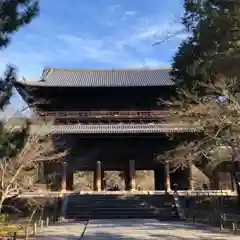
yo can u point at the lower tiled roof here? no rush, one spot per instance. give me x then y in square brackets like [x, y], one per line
[114, 128]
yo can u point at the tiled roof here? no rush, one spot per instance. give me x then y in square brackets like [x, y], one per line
[103, 78]
[113, 128]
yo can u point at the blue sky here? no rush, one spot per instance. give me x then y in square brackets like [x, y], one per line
[95, 34]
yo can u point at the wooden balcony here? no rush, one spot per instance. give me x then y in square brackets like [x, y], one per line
[104, 115]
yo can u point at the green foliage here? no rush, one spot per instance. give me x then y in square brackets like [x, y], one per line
[3, 217]
[212, 49]
[6, 86]
[11, 142]
[14, 14]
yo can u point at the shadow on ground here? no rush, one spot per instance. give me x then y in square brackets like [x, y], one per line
[160, 225]
[133, 230]
[136, 230]
[110, 236]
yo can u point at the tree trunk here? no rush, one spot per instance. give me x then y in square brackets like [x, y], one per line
[1, 203]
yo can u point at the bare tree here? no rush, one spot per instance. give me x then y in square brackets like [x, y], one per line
[18, 170]
[218, 116]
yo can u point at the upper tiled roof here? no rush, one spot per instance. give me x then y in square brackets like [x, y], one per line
[55, 77]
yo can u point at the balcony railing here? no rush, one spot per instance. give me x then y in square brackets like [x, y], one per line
[104, 115]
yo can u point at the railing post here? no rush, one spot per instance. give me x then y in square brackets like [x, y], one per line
[26, 232]
[14, 236]
[233, 225]
[34, 228]
[47, 221]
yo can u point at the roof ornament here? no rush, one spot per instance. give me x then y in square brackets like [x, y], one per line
[24, 79]
[46, 71]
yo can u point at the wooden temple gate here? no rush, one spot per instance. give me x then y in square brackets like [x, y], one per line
[113, 103]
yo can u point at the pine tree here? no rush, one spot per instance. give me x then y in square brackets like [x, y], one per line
[14, 14]
[212, 49]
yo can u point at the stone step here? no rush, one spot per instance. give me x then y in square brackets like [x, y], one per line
[123, 217]
[119, 207]
[110, 214]
[124, 212]
[121, 204]
[106, 214]
[107, 206]
[117, 199]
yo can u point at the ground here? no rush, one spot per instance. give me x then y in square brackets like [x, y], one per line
[134, 230]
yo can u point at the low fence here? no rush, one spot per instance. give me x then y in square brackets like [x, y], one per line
[25, 230]
[23, 226]
[228, 220]
[135, 192]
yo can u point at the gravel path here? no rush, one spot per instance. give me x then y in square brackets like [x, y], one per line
[150, 229]
[131, 229]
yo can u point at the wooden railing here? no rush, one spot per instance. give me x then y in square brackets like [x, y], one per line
[104, 115]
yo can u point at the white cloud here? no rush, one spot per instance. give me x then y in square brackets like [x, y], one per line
[158, 30]
[27, 62]
[149, 63]
[105, 51]
[130, 13]
[116, 37]
[112, 9]
[129, 45]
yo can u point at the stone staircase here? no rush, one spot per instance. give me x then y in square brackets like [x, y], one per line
[86, 207]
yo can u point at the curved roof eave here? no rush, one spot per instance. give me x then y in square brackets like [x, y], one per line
[140, 77]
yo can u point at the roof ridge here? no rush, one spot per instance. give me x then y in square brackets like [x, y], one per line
[109, 69]
[112, 77]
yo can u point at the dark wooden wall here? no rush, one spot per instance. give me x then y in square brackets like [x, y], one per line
[67, 99]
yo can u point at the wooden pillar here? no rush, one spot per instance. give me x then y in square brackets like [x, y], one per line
[233, 186]
[69, 181]
[41, 175]
[98, 177]
[190, 177]
[64, 177]
[126, 178]
[215, 182]
[167, 176]
[132, 175]
[158, 179]
[102, 179]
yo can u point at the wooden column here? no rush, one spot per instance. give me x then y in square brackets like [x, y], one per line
[190, 177]
[159, 178]
[215, 182]
[132, 175]
[41, 175]
[126, 178]
[69, 181]
[64, 177]
[167, 176]
[98, 177]
[102, 179]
